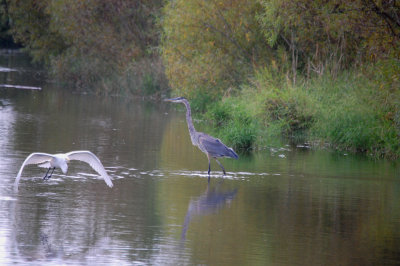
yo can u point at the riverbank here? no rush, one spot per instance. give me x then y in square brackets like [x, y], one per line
[257, 70]
[357, 111]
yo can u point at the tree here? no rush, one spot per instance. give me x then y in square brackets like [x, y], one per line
[330, 35]
[30, 25]
[209, 46]
[90, 42]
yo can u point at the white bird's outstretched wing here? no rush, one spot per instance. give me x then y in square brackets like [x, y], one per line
[33, 158]
[93, 161]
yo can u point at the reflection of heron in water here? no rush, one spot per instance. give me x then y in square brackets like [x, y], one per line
[211, 146]
[209, 202]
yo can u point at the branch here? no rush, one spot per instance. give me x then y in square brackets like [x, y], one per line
[232, 40]
[388, 18]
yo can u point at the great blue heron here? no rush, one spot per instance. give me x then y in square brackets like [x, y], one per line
[53, 161]
[211, 146]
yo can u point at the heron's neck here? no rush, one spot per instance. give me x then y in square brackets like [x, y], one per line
[189, 121]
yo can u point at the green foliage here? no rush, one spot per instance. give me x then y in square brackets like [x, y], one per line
[322, 36]
[30, 26]
[107, 39]
[352, 114]
[200, 101]
[149, 85]
[357, 110]
[210, 46]
[92, 45]
[348, 126]
[285, 109]
[241, 133]
[328, 70]
[233, 123]
[6, 39]
[219, 114]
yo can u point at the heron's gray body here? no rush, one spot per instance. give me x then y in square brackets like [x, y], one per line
[212, 147]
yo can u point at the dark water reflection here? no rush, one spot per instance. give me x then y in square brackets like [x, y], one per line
[280, 206]
[211, 201]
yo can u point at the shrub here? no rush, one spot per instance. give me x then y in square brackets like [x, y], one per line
[210, 46]
[233, 123]
[283, 109]
[201, 100]
[354, 113]
[93, 45]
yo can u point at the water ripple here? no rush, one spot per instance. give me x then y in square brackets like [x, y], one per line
[123, 172]
[120, 172]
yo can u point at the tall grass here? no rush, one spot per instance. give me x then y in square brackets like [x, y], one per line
[233, 123]
[344, 117]
[356, 110]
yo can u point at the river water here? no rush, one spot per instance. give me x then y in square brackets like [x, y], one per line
[279, 206]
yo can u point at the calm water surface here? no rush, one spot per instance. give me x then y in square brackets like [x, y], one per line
[280, 206]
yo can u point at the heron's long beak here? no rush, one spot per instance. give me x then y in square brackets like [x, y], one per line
[173, 99]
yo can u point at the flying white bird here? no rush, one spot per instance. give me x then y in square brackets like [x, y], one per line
[53, 161]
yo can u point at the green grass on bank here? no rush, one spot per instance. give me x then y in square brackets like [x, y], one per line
[356, 111]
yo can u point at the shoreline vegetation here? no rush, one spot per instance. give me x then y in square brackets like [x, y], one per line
[320, 72]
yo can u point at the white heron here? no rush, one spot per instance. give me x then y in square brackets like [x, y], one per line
[60, 160]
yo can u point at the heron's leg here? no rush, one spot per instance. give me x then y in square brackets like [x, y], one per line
[45, 176]
[223, 169]
[209, 167]
[51, 173]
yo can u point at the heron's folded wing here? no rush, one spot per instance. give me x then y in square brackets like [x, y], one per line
[215, 147]
[33, 158]
[93, 161]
